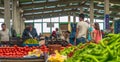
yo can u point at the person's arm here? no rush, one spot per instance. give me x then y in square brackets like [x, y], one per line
[93, 36]
[87, 34]
[24, 35]
[76, 32]
[36, 35]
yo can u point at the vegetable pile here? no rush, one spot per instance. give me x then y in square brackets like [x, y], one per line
[108, 50]
[31, 41]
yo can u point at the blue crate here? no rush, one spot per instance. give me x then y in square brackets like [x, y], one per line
[30, 45]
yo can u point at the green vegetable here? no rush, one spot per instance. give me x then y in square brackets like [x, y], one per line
[107, 51]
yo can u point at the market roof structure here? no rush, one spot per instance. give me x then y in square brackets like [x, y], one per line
[36, 9]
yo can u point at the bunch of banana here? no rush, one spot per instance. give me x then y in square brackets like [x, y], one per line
[57, 57]
[36, 52]
[31, 41]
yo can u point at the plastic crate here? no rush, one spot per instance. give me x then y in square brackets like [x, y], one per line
[30, 45]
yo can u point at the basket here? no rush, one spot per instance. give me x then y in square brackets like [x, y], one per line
[54, 47]
[30, 45]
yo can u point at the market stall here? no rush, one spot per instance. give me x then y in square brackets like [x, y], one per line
[23, 54]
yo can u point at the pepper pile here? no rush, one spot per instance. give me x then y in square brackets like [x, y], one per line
[107, 51]
[31, 41]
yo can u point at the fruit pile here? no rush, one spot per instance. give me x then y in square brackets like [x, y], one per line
[56, 57]
[20, 52]
[107, 51]
[36, 53]
[59, 42]
[31, 41]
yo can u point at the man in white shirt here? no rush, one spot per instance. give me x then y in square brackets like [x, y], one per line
[81, 31]
[4, 35]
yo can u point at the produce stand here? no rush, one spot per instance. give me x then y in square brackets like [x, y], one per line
[30, 45]
[22, 59]
[17, 57]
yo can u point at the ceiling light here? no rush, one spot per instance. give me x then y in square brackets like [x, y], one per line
[110, 11]
[112, 4]
[99, 2]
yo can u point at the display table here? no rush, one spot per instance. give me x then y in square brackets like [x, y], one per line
[22, 59]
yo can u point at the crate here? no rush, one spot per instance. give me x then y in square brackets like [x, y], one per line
[30, 45]
[54, 47]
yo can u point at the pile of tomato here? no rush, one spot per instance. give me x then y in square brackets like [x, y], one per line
[19, 52]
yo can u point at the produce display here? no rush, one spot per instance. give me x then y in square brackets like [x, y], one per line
[60, 42]
[35, 52]
[57, 57]
[108, 50]
[20, 52]
[31, 41]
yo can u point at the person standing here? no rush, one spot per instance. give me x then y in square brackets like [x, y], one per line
[81, 30]
[73, 33]
[4, 35]
[89, 32]
[96, 34]
[29, 32]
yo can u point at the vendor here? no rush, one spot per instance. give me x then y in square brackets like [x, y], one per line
[67, 36]
[29, 32]
[56, 33]
[4, 35]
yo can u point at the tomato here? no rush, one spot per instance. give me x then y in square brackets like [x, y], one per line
[62, 48]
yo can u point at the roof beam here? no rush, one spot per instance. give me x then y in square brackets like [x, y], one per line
[67, 7]
[48, 3]
[111, 1]
[51, 9]
[58, 13]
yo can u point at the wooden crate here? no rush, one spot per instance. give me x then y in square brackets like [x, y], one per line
[54, 47]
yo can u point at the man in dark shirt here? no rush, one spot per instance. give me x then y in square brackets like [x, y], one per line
[29, 32]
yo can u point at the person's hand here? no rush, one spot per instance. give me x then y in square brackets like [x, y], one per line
[35, 38]
[74, 41]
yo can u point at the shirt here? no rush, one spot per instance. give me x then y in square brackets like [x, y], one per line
[98, 36]
[4, 35]
[82, 29]
[29, 34]
[89, 33]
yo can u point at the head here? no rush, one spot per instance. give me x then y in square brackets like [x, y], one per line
[56, 29]
[3, 26]
[30, 25]
[81, 17]
[96, 26]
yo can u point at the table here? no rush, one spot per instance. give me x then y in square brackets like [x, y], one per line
[21, 60]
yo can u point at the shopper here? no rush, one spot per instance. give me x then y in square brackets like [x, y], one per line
[89, 32]
[73, 33]
[67, 36]
[13, 32]
[4, 35]
[81, 30]
[29, 32]
[96, 35]
[56, 33]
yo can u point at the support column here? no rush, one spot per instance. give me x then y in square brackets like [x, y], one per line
[91, 11]
[68, 18]
[106, 14]
[16, 16]
[81, 9]
[22, 25]
[69, 27]
[7, 13]
[74, 17]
